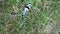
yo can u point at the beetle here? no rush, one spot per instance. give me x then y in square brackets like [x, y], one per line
[26, 9]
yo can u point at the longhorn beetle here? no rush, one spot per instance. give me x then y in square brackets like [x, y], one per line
[26, 9]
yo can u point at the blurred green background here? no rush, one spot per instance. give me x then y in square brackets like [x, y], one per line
[42, 18]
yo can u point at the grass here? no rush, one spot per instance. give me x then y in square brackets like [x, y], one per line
[43, 17]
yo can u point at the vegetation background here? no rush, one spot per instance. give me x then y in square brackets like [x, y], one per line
[43, 17]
